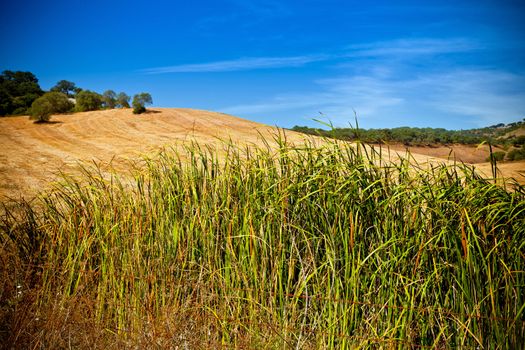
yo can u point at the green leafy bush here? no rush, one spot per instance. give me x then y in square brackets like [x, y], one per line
[88, 101]
[140, 101]
[497, 156]
[48, 104]
[518, 141]
[18, 90]
[109, 99]
[123, 100]
[66, 87]
[517, 154]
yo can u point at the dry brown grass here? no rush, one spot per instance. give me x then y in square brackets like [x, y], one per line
[517, 132]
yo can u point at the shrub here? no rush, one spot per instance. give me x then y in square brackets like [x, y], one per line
[497, 156]
[110, 99]
[517, 154]
[41, 110]
[518, 141]
[88, 101]
[66, 87]
[140, 101]
[48, 104]
[138, 109]
[123, 100]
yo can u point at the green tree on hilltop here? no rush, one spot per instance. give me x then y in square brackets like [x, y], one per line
[140, 101]
[66, 87]
[49, 103]
[110, 99]
[123, 100]
[18, 90]
[87, 100]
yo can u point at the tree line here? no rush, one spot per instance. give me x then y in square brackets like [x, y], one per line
[422, 136]
[20, 94]
[496, 134]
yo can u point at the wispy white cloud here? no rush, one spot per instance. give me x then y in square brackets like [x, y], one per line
[486, 95]
[472, 97]
[385, 50]
[411, 47]
[389, 91]
[336, 98]
[280, 103]
[250, 63]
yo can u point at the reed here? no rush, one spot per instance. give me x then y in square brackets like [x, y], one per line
[310, 246]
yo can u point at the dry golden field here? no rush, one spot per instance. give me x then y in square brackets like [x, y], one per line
[32, 154]
[475, 155]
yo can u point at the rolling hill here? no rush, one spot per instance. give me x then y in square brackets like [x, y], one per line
[294, 240]
[32, 154]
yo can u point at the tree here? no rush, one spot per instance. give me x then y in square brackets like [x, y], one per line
[497, 156]
[41, 110]
[18, 90]
[123, 100]
[517, 154]
[6, 102]
[110, 99]
[66, 87]
[140, 101]
[50, 103]
[88, 101]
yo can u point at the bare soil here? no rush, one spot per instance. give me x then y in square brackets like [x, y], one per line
[32, 154]
[470, 154]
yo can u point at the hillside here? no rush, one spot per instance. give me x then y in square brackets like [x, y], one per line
[296, 241]
[475, 155]
[32, 154]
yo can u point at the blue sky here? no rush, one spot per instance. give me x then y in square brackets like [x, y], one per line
[451, 64]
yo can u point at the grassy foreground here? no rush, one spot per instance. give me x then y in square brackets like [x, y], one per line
[309, 247]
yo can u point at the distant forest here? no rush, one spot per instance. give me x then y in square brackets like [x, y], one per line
[499, 134]
[424, 136]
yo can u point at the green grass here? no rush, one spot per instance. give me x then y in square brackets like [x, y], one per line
[299, 247]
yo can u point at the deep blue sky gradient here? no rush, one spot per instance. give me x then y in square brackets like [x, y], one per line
[451, 64]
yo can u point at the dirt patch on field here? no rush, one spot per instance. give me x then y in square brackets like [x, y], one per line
[475, 155]
[461, 153]
[508, 170]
